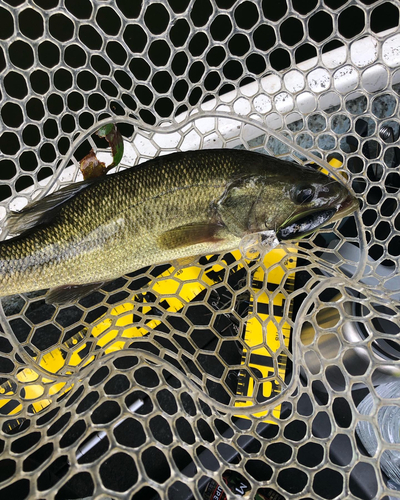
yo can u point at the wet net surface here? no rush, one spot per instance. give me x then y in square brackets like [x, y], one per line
[248, 373]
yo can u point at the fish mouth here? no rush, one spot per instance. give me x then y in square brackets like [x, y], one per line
[349, 205]
[306, 223]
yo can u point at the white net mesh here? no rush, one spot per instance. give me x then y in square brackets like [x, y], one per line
[243, 374]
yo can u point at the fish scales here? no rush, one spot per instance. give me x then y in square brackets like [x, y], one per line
[172, 207]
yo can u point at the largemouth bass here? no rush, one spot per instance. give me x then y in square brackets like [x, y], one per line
[171, 207]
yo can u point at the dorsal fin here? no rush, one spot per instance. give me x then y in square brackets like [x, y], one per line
[44, 210]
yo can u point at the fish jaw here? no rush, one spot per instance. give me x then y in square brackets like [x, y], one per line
[348, 206]
[305, 223]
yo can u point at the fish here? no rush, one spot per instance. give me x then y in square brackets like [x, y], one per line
[167, 209]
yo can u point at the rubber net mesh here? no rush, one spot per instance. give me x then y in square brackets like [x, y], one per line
[262, 376]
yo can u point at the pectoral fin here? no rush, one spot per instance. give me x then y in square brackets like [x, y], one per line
[68, 294]
[191, 234]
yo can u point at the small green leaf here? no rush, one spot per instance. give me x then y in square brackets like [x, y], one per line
[105, 130]
[114, 138]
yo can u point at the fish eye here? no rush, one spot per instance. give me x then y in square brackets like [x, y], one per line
[303, 194]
